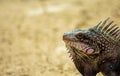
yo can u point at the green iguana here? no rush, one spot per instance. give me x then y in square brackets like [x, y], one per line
[96, 49]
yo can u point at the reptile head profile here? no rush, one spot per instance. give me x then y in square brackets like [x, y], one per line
[95, 48]
[93, 41]
[80, 40]
[81, 43]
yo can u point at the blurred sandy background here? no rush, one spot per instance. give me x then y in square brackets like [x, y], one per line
[31, 33]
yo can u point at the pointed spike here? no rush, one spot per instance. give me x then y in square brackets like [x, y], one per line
[118, 36]
[96, 27]
[107, 26]
[117, 33]
[103, 23]
[108, 30]
[113, 30]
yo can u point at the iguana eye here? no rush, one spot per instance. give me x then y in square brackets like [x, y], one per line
[82, 37]
[79, 36]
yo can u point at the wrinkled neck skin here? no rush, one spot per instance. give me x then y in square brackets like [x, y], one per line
[107, 63]
[87, 68]
[110, 68]
[110, 64]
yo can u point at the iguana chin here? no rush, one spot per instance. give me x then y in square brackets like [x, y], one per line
[96, 49]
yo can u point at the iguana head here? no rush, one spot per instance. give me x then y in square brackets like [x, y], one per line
[81, 43]
[92, 42]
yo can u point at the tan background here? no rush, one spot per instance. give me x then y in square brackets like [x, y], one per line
[31, 33]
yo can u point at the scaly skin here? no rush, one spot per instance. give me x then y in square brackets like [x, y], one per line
[96, 49]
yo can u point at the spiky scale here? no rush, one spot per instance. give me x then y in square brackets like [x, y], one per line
[108, 30]
[101, 25]
[107, 26]
[113, 29]
[116, 33]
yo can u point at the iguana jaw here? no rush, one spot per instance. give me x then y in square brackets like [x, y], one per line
[71, 41]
